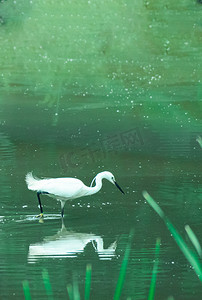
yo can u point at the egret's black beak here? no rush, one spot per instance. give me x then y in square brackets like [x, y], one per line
[119, 187]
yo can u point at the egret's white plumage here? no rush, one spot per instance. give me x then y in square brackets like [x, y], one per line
[64, 189]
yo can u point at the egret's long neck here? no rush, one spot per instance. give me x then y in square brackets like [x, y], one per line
[94, 189]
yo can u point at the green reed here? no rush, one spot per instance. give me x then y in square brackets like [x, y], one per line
[47, 284]
[193, 239]
[88, 281]
[73, 289]
[26, 290]
[122, 273]
[70, 292]
[155, 270]
[190, 256]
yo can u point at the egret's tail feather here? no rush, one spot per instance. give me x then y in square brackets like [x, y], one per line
[32, 182]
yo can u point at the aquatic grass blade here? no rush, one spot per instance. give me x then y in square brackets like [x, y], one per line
[47, 284]
[73, 289]
[155, 270]
[199, 140]
[76, 294]
[193, 239]
[88, 281]
[190, 256]
[122, 273]
[70, 291]
[26, 290]
[153, 204]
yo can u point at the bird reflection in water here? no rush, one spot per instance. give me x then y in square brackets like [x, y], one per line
[69, 244]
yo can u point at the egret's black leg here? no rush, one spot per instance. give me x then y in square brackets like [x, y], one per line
[62, 208]
[62, 212]
[38, 196]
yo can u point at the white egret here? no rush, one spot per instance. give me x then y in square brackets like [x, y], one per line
[63, 189]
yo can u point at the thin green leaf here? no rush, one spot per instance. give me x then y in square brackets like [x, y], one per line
[70, 291]
[153, 204]
[193, 239]
[154, 272]
[76, 294]
[122, 273]
[190, 256]
[26, 290]
[199, 140]
[47, 284]
[88, 281]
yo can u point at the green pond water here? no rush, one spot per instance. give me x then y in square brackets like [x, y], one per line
[88, 86]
